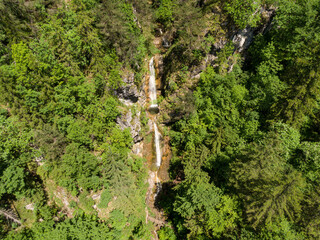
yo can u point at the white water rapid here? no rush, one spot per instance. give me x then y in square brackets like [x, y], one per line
[152, 86]
[154, 105]
[154, 181]
[157, 143]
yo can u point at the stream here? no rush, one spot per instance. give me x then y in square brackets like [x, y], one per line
[152, 86]
[155, 174]
[154, 108]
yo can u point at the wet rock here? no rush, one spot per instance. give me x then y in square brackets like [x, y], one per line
[128, 91]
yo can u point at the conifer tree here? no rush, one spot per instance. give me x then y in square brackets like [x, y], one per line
[267, 184]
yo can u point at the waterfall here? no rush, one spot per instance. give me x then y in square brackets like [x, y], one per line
[154, 105]
[154, 109]
[152, 86]
[157, 143]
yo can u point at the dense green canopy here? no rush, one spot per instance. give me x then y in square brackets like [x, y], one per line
[242, 127]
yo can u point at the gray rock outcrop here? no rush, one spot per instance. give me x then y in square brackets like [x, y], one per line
[128, 121]
[128, 91]
[243, 38]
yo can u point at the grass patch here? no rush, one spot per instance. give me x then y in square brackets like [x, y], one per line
[105, 199]
[148, 138]
[28, 216]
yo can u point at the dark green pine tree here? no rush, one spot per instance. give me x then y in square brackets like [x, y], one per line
[301, 98]
[114, 170]
[311, 212]
[269, 187]
[206, 211]
[297, 40]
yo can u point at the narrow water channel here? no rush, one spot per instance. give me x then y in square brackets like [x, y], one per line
[152, 86]
[157, 144]
[154, 108]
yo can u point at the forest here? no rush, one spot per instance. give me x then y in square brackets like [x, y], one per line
[238, 112]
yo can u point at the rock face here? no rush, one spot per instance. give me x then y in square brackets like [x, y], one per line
[129, 91]
[165, 42]
[131, 96]
[128, 121]
[243, 38]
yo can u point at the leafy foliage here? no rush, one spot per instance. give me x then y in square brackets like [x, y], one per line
[58, 83]
[243, 13]
[244, 136]
[77, 228]
[15, 155]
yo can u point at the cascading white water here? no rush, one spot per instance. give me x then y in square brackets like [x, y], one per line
[154, 105]
[154, 108]
[157, 143]
[152, 85]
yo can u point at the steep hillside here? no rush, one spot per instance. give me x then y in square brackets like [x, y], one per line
[163, 119]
